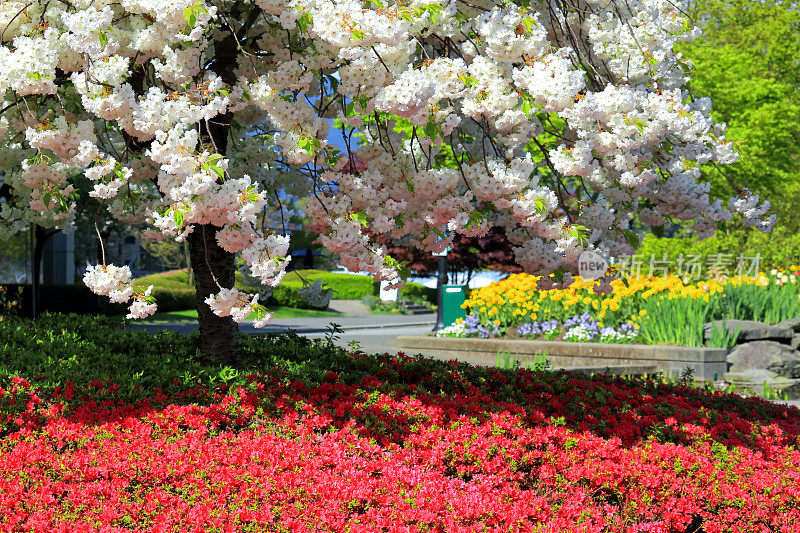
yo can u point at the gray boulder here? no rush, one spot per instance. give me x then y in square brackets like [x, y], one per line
[754, 375]
[749, 330]
[791, 323]
[765, 355]
[755, 380]
[795, 342]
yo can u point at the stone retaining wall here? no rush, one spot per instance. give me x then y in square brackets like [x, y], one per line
[708, 364]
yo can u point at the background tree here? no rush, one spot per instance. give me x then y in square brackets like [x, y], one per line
[467, 256]
[746, 61]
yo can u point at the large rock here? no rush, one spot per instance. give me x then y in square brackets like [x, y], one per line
[754, 375]
[795, 342]
[757, 381]
[749, 330]
[791, 323]
[765, 355]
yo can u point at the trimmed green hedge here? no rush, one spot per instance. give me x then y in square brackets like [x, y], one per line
[345, 286]
[80, 300]
[173, 289]
[415, 290]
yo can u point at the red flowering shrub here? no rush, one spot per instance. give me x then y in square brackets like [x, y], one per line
[395, 444]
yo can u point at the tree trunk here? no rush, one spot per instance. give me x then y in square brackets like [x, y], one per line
[218, 335]
[41, 236]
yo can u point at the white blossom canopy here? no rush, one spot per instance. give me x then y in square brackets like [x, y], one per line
[557, 120]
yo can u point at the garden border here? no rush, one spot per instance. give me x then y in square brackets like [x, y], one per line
[708, 364]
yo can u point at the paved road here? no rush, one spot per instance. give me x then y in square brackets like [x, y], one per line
[375, 340]
[310, 324]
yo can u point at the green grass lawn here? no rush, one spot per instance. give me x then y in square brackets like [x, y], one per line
[190, 315]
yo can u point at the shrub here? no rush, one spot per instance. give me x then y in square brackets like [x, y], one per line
[176, 282]
[345, 286]
[412, 291]
[779, 248]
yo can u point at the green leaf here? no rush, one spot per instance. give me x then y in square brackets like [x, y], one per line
[541, 207]
[189, 16]
[103, 38]
[469, 81]
[475, 217]
[360, 216]
[214, 158]
[334, 83]
[304, 21]
[217, 170]
[631, 238]
[579, 232]
[401, 267]
[431, 129]
[178, 215]
[528, 23]
[357, 35]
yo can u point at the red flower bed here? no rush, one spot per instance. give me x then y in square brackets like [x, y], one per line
[396, 452]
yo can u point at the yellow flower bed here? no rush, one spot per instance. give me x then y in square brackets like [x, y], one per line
[516, 300]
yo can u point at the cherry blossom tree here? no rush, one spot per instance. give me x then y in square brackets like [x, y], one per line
[557, 121]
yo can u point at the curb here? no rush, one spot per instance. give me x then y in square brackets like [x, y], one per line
[707, 363]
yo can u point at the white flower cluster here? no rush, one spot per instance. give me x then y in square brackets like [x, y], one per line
[117, 283]
[232, 303]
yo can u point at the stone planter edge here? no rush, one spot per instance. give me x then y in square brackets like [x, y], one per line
[707, 363]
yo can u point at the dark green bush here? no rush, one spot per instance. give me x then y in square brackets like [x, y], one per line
[174, 299]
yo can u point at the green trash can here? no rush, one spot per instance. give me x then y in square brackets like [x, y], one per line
[452, 298]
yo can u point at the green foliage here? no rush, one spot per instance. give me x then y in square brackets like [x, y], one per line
[770, 304]
[416, 291]
[675, 320]
[174, 299]
[540, 363]
[781, 248]
[83, 349]
[344, 286]
[171, 254]
[399, 307]
[746, 61]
